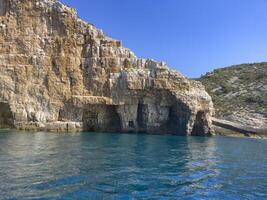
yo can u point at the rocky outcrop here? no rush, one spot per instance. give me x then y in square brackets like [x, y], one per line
[239, 94]
[59, 73]
[224, 127]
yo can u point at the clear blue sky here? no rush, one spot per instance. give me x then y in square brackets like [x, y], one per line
[192, 36]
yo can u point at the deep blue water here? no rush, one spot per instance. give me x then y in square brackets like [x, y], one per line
[125, 166]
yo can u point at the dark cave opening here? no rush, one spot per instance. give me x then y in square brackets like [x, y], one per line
[178, 118]
[131, 124]
[6, 116]
[199, 126]
[90, 120]
[141, 116]
[101, 118]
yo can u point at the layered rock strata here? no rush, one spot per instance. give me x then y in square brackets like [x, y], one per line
[59, 73]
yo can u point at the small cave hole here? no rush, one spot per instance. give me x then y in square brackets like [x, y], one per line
[131, 124]
[6, 116]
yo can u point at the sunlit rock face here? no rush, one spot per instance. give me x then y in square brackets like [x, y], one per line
[59, 73]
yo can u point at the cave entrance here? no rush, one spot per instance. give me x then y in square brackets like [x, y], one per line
[142, 112]
[178, 118]
[90, 120]
[199, 126]
[140, 115]
[6, 116]
[101, 118]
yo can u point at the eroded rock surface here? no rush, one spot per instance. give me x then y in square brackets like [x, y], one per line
[60, 73]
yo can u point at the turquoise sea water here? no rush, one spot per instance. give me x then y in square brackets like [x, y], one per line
[125, 166]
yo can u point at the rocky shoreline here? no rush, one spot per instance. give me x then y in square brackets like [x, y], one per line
[61, 74]
[227, 128]
[220, 127]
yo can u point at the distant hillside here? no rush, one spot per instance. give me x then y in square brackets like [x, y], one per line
[239, 93]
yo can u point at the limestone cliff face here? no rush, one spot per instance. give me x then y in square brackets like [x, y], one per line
[62, 74]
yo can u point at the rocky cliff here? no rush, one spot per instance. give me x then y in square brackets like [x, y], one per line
[60, 73]
[240, 93]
